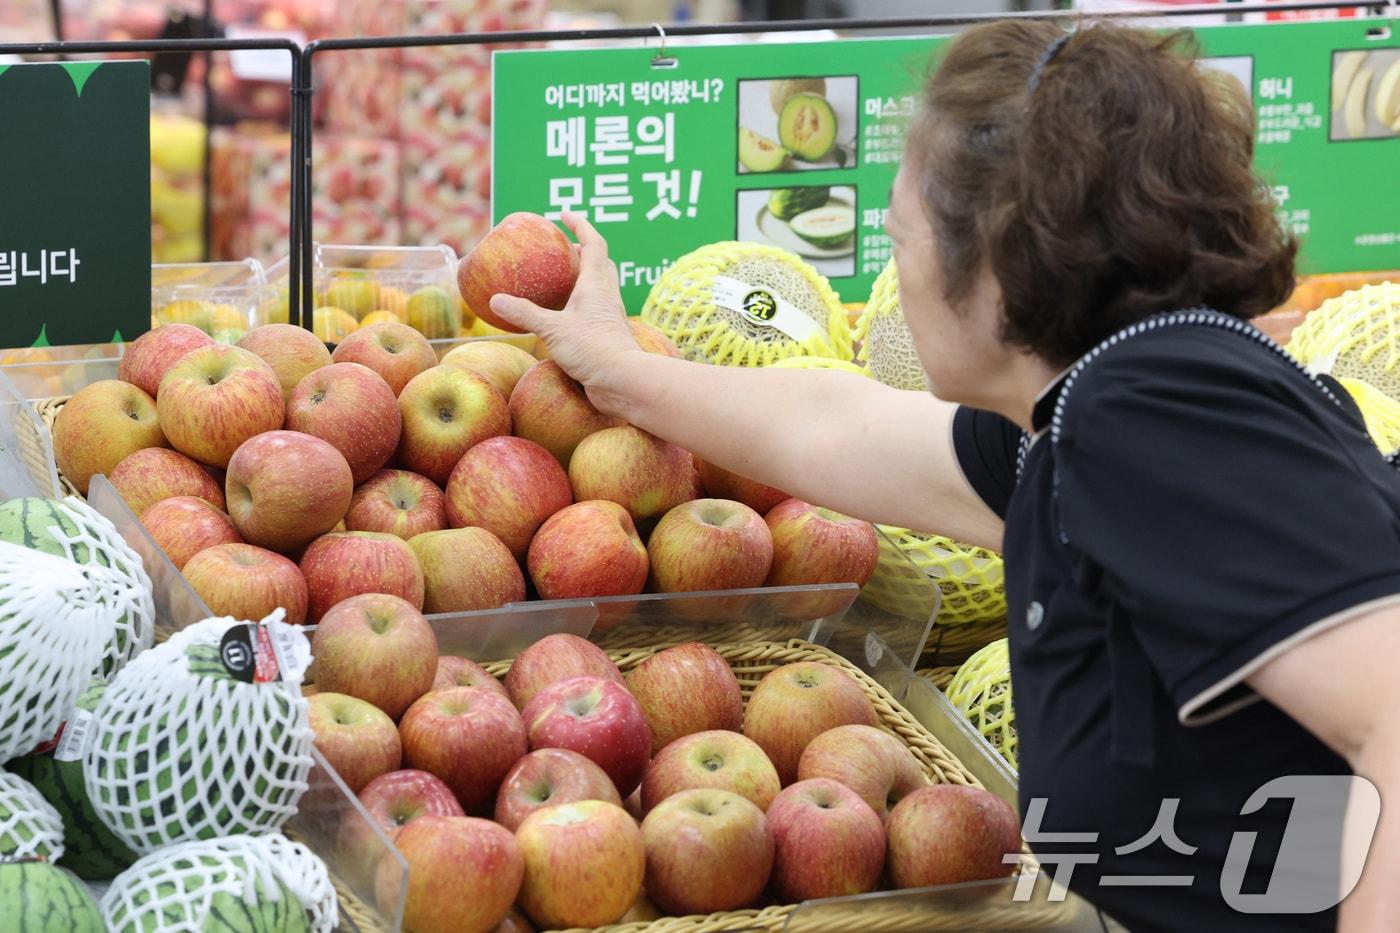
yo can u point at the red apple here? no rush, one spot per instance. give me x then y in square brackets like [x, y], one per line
[399, 503]
[686, 689]
[185, 525]
[555, 658]
[463, 875]
[551, 409]
[813, 545]
[395, 351]
[378, 648]
[465, 569]
[498, 362]
[642, 473]
[722, 484]
[445, 412]
[145, 477]
[652, 340]
[710, 544]
[453, 671]
[871, 762]
[215, 398]
[355, 737]
[827, 842]
[247, 582]
[347, 563]
[100, 426]
[550, 776]
[524, 255]
[148, 357]
[797, 702]
[598, 719]
[716, 759]
[285, 488]
[947, 834]
[293, 352]
[508, 486]
[467, 736]
[707, 851]
[351, 408]
[586, 550]
[392, 800]
[584, 864]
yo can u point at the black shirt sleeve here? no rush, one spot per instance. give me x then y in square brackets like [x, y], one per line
[986, 446]
[1232, 507]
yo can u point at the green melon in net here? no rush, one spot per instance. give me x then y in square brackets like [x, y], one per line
[1380, 411]
[886, 346]
[29, 826]
[981, 690]
[37, 897]
[747, 304]
[1355, 335]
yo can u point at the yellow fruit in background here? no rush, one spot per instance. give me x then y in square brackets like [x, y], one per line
[394, 300]
[227, 317]
[333, 325]
[468, 319]
[186, 311]
[357, 297]
[26, 355]
[383, 260]
[177, 144]
[275, 310]
[480, 328]
[433, 313]
[380, 317]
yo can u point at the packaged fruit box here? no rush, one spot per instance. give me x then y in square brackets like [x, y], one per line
[361, 285]
[223, 299]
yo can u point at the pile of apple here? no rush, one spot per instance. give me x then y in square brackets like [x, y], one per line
[276, 473]
[570, 795]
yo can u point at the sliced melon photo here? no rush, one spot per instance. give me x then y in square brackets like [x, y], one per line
[827, 227]
[759, 153]
[787, 203]
[807, 127]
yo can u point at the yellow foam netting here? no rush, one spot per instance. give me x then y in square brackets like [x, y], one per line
[682, 306]
[1382, 413]
[1356, 336]
[821, 362]
[886, 346]
[969, 579]
[981, 691]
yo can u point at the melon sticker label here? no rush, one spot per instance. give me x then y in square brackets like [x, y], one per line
[75, 203]
[73, 738]
[750, 143]
[763, 307]
[248, 654]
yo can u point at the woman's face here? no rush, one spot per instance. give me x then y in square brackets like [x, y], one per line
[960, 349]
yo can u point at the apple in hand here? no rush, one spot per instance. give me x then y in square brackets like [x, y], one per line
[598, 719]
[466, 569]
[588, 549]
[453, 671]
[871, 762]
[285, 488]
[555, 658]
[351, 408]
[707, 850]
[347, 563]
[185, 525]
[550, 776]
[358, 740]
[397, 502]
[155, 351]
[215, 398]
[467, 736]
[640, 472]
[827, 842]
[812, 545]
[710, 544]
[247, 582]
[463, 875]
[948, 833]
[395, 351]
[797, 702]
[719, 483]
[717, 759]
[445, 412]
[499, 363]
[551, 409]
[376, 647]
[686, 689]
[584, 864]
[293, 352]
[100, 426]
[524, 255]
[146, 476]
[508, 486]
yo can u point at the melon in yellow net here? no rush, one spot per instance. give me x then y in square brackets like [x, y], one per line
[1381, 412]
[970, 580]
[1356, 336]
[886, 346]
[747, 304]
[981, 691]
[820, 362]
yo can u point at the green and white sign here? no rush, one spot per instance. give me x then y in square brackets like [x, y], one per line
[746, 142]
[75, 202]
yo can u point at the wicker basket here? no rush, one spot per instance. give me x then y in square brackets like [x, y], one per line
[31, 447]
[954, 644]
[940, 677]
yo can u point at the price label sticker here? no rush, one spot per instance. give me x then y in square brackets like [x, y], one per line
[73, 738]
[763, 307]
[291, 648]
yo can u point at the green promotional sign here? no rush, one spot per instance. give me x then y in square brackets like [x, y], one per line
[75, 202]
[747, 143]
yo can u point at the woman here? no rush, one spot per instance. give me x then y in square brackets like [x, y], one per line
[1200, 541]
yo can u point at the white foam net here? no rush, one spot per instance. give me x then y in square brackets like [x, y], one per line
[57, 618]
[180, 750]
[29, 825]
[173, 890]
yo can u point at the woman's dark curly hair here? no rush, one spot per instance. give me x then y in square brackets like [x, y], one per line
[1120, 186]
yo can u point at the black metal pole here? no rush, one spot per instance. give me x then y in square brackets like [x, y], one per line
[56, 9]
[207, 26]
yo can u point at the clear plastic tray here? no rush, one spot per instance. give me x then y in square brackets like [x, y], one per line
[415, 284]
[50, 372]
[223, 299]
